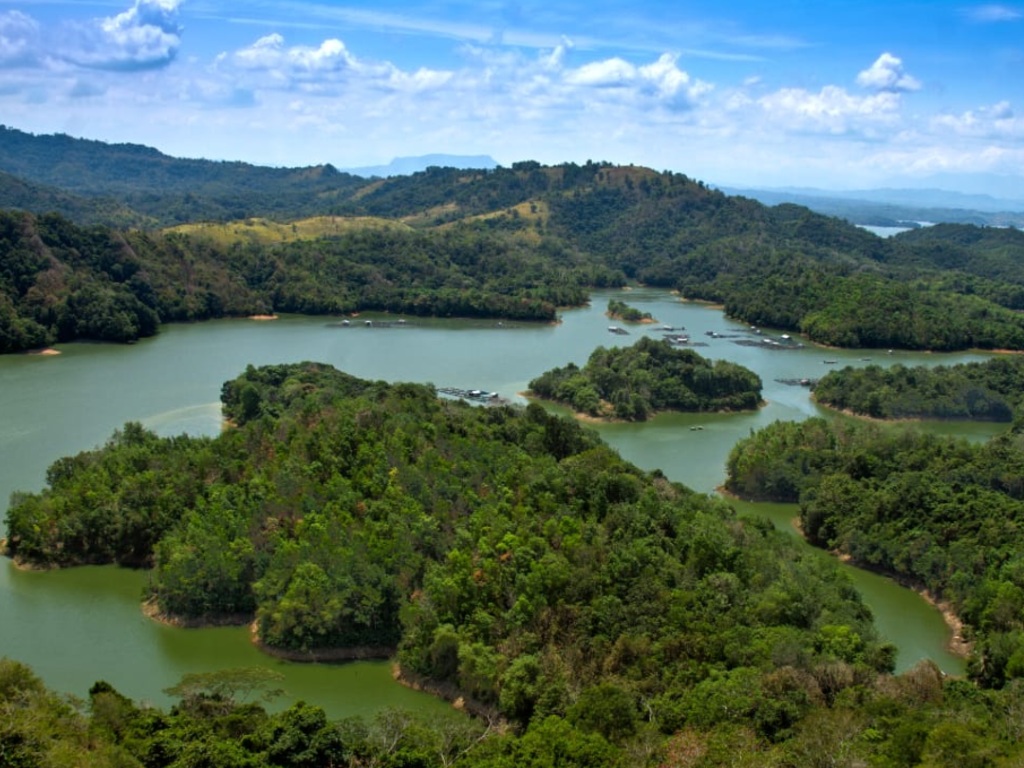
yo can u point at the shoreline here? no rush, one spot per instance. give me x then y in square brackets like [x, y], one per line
[448, 692]
[873, 419]
[703, 302]
[621, 319]
[902, 420]
[321, 655]
[21, 564]
[445, 691]
[262, 317]
[587, 418]
[956, 644]
[152, 611]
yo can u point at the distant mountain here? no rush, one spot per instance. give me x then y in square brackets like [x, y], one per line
[998, 185]
[405, 166]
[920, 198]
[894, 206]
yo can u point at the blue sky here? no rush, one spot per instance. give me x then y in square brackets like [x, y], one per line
[833, 94]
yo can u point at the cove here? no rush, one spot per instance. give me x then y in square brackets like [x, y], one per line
[80, 625]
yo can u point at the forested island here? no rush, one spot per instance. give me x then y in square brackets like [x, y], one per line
[637, 382]
[620, 310]
[988, 391]
[605, 615]
[514, 242]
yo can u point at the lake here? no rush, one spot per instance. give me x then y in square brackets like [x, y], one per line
[76, 626]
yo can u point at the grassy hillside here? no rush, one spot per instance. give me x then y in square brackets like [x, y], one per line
[266, 232]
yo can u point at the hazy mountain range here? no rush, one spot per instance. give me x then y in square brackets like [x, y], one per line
[403, 166]
[891, 206]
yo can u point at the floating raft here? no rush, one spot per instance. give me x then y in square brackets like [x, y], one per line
[682, 340]
[371, 324]
[474, 395]
[766, 343]
[812, 383]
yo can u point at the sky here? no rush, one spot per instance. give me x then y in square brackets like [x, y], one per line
[830, 94]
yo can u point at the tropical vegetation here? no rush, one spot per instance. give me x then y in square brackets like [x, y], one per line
[636, 382]
[918, 718]
[988, 391]
[620, 310]
[944, 514]
[512, 242]
[505, 553]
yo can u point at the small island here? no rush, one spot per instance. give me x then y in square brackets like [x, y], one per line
[620, 310]
[988, 391]
[633, 383]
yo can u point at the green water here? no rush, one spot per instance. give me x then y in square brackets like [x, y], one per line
[901, 616]
[80, 625]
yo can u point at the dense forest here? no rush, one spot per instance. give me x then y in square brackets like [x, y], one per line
[505, 552]
[141, 183]
[558, 230]
[636, 382]
[988, 391]
[587, 612]
[219, 720]
[591, 613]
[60, 282]
[944, 514]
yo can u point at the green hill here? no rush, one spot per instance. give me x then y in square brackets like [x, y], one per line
[496, 242]
[171, 190]
[18, 194]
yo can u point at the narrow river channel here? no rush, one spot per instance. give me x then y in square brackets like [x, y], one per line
[80, 625]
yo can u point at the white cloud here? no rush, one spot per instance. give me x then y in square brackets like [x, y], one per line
[661, 80]
[887, 74]
[993, 13]
[995, 121]
[146, 36]
[270, 53]
[306, 100]
[328, 64]
[832, 109]
[556, 58]
[930, 158]
[19, 40]
[609, 73]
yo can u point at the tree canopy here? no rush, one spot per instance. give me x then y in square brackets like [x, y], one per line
[944, 514]
[503, 552]
[506, 242]
[988, 391]
[650, 376]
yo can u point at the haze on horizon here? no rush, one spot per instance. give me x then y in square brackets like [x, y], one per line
[835, 95]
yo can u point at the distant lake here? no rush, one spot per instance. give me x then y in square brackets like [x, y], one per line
[890, 231]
